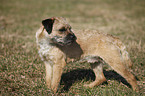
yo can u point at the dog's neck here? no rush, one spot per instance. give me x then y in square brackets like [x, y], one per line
[72, 51]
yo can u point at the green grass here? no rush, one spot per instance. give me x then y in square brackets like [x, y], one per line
[23, 73]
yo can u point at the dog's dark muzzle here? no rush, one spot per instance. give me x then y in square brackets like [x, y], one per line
[70, 38]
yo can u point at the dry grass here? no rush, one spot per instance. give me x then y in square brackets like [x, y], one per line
[21, 70]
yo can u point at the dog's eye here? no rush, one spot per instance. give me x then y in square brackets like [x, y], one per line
[62, 29]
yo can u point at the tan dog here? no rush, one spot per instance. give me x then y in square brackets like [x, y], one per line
[57, 44]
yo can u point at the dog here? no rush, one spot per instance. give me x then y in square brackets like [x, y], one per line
[58, 44]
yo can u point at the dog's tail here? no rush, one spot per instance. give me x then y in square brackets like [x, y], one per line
[124, 53]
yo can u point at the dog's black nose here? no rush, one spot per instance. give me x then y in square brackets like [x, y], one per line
[71, 37]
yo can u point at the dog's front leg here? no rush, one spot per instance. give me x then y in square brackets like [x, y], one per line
[53, 75]
[49, 71]
[57, 72]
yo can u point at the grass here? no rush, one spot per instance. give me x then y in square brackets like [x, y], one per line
[21, 70]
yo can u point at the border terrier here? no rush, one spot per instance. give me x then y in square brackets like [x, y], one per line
[58, 44]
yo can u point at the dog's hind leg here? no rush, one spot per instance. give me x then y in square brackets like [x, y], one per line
[98, 70]
[118, 65]
[120, 68]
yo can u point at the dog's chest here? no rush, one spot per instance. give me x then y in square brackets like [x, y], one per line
[44, 50]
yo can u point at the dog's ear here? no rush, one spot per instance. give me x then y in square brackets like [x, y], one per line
[48, 24]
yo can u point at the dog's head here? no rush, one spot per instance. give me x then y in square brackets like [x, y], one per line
[59, 31]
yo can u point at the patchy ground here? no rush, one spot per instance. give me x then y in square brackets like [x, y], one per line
[21, 70]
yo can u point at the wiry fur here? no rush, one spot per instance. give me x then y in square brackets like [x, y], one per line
[91, 46]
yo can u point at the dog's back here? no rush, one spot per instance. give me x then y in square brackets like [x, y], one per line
[94, 40]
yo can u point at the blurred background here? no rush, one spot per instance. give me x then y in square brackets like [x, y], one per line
[23, 73]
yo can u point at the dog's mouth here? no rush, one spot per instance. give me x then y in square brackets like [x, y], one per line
[68, 40]
[63, 43]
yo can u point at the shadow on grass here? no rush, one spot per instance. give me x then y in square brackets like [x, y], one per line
[79, 74]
